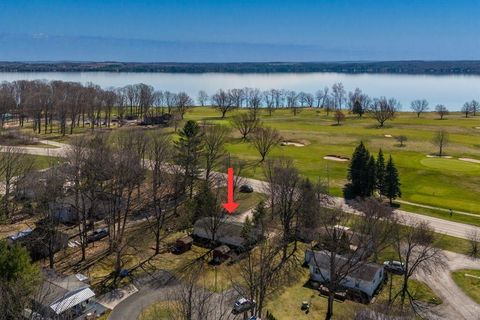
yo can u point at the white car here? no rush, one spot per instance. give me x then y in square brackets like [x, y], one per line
[242, 305]
[394, 266]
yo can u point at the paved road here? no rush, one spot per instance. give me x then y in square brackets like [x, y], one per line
[455, 229]
[163, 287]
[456, 304]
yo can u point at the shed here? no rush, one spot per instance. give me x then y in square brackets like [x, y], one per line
[183, 244]
[221, 254]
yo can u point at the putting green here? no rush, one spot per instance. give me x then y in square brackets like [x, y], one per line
[450, 164]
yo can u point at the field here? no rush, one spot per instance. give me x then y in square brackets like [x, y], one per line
[439, 182]
[469, 282]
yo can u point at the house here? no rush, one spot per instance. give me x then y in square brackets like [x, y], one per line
[62, 297]
[221, 254]
[163, 119]
[225, 232]
[36, 241]
[366, 277]
[65, 210]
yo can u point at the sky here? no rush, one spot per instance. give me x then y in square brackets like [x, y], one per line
[236, 31]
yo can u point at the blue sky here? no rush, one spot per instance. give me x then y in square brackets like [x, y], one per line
[315, 30]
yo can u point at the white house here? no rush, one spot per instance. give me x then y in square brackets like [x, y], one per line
[63, 297]
[365, 277]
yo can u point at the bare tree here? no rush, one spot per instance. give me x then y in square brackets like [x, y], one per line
[419, 106]
[223, 101]
[283, 180]
[417, 250]
[474, 241]
[245, 123]
[262, 273]
[292, 102]
[321, 96]
[441, 110]
[183, 103]
[338, 95]
[269, 98]
[401, 139]
[440, 140]
[264, 139]
[214, 138]
[159, 152]
[339, 116]
[467, 109]
[14, 166]
[475, 105]
[383, 109]
[202, 98]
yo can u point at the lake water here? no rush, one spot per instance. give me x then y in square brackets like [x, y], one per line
[450, 90]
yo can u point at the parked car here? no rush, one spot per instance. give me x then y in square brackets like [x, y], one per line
[245, 188]
[242, 305]
[254, 318]
[97, 235]
[396, 267]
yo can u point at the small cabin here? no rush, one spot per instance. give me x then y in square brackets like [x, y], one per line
[221, 254]
[183, 244]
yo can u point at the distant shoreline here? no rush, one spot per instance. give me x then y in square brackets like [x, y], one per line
[383, 67]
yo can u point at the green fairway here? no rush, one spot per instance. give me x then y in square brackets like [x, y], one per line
[438, 182]
[451, 165]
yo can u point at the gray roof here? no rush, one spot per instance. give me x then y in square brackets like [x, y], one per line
[360, 270]
[56, 286]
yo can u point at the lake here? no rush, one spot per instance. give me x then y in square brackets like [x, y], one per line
[450, 90]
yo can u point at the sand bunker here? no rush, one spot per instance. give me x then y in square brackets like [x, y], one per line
[469, 160]
[388, 136]
[336, 158]
[477, 128]
[291, 143]
[435, 156]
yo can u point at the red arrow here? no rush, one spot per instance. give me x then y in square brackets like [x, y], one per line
[230, 206]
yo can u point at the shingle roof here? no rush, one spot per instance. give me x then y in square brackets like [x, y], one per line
[363, 271]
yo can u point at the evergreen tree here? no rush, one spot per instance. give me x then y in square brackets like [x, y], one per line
[247, 231]
[357, 173]
[308, 206]
[380, 171]
[370, 178]
[392, 182]
[259, 215]
[204, 202]
[189, 148]
[19, 278]
[357, 108]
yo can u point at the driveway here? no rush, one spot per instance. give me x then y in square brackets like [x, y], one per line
[456, 304]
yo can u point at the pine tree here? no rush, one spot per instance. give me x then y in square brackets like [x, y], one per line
[247, 231]
[189, 148]
[370, 178]
[357, 173]
[380, 171]
[392, 182]
[357, 108]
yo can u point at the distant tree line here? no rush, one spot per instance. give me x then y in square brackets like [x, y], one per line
[392, 67]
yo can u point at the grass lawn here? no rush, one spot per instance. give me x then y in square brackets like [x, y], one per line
[469, 281]
[286, 304]
[419, 290]
[429, 181]
[456, 217]
[43, 162]
[156, 311]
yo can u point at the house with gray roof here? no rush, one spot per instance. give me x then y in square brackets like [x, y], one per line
[365, 277]
[62, 296]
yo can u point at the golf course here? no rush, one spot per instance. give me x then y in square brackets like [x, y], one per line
[448, 182]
